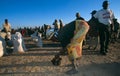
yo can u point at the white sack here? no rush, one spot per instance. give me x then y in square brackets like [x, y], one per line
[2, 47]
[17, 42]
[39, 42]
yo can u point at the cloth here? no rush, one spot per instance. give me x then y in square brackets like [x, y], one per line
[75, 46]
[7, 27]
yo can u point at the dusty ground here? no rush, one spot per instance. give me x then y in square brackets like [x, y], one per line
[36, 62]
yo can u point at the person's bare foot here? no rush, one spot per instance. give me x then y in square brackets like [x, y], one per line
[72, 71]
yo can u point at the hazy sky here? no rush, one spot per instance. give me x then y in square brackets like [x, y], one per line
[24, 13]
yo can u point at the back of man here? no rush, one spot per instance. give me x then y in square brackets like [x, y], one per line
[6, 26]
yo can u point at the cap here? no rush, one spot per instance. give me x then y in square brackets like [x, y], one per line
[93, 12]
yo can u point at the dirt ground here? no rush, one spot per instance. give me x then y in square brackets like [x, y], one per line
[37, 62]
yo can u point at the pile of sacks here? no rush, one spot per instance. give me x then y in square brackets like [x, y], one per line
[16, 41]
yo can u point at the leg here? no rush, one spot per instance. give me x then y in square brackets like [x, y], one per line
[102, 39]
[107, 37]
[64, 49]
[74, 69]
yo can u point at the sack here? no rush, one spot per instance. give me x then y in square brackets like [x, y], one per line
[1, 49]
[74, 50]
[56, 60]
[17, 42]
[75, 47]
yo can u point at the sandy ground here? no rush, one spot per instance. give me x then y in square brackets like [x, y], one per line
[37, 62]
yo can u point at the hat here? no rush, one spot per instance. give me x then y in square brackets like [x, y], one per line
[93, 12]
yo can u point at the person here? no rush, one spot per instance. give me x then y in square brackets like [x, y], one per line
[61, 23]
[93, 35]
[56, 25]
[116, 29]
[93, 31]
[71, 37]
[78, 17]
[66, 33]
[6, 26]
[105, 18]
[92, 13]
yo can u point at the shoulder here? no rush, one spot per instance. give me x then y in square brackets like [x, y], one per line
[110, 10]
[101, 11]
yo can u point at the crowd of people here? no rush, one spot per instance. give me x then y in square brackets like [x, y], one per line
[107, 25]
[107, 28]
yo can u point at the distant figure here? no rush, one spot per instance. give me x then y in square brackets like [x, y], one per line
[6, 26]
[116, 29]
[67, 32]
[71, 37]
[61, 24]
[93, 12]
[78, 17]
[105, 18]
[39, 42]
[56, 25]
[93, 32]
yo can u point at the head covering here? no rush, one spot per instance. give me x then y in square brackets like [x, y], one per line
[93, 12]
[77, 14]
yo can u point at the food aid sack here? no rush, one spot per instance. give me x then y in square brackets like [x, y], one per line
[2, 47]
[75, 46]
[17, 43]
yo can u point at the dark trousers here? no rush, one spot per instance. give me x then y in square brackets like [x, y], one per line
[104, 34]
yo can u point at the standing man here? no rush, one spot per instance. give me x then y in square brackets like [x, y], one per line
[61, 24]
[67, 32]
[105, 18]
[78, 17]
[56, 25]
[6, 26]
